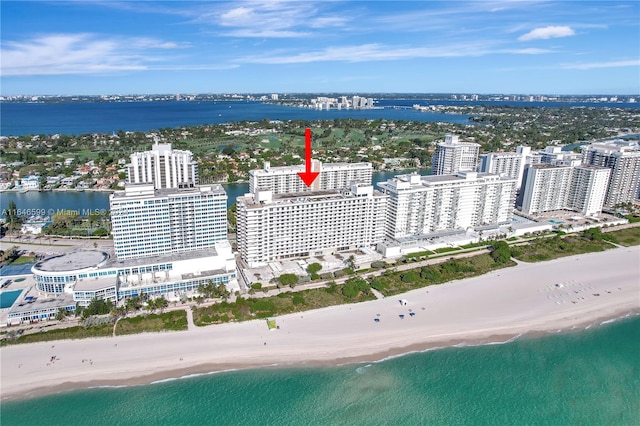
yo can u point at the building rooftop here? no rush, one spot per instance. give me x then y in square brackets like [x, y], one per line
[146, 190]
[84, 259]
[93, 284]
[170, 257]
[73, 261]
[414, 181]
[41, 303]
[300, 197]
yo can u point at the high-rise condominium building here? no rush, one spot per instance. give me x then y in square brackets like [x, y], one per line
[150, 222]
[623, 158]
[163, 167]
[588, 189]
[453, 156]
[506, 163]
[548, 188]
[284, 180]
[275, 227]
[555, 156]
[423, 205]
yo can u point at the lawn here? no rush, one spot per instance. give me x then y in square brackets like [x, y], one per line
[167, 321]
[284, 303]
[76, 332]
[624, 237]
[542, 249]
[392, 283]
[23, 259]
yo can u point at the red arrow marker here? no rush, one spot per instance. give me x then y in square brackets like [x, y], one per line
[308, 176]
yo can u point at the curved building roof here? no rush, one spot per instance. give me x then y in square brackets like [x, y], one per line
[72, 261]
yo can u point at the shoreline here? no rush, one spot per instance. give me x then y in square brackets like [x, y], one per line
[528, 300]
[202, 370]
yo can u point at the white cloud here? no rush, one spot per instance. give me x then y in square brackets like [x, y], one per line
[266, 33]
[273, 19]
[547, 32]
[593, 65]
[78, 54]
[381, 52]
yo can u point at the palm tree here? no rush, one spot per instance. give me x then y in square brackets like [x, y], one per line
[351, 261]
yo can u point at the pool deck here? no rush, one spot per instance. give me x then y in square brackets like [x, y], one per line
[28, 283]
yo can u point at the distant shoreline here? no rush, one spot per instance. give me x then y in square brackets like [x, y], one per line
[530, 299]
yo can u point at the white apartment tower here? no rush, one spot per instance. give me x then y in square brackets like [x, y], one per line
[423, 205]
[272, 227]
[453, 156]
[548, 188]
[623, 158]
[588, 189]
[555, 156]
[150, 222]
[163, 167]
[284, 180]
[506, 163]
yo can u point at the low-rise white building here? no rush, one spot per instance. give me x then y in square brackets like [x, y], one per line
[93, 274]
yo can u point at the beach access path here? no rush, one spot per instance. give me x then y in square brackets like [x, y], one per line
[528, 298]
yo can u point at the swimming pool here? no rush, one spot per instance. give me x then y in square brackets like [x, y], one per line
[8, 297]
[555, 222]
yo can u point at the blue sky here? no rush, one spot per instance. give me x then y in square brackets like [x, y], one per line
[144, 47]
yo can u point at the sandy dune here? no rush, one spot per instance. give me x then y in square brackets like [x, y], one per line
[530, 297]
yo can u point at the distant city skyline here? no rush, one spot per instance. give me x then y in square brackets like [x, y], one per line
[147, 47]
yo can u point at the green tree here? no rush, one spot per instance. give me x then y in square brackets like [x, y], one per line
[314, 268]
[11, 216]
[351, 261]
[161, 303]
[354, 287]
[212, 290]
[65, 219]
[97, 307]
[133, 304]
[593, 234]
[501, 252]
[288, 280]
[231, 217]
[62, 314]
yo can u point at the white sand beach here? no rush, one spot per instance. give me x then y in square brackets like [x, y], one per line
[548, 296]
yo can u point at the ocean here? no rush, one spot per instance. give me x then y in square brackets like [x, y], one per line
[581, 377]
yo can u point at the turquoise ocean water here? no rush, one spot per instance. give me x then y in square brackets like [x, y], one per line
[586, 377]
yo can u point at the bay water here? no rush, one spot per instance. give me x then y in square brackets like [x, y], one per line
[47, 203]
[585, 377]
